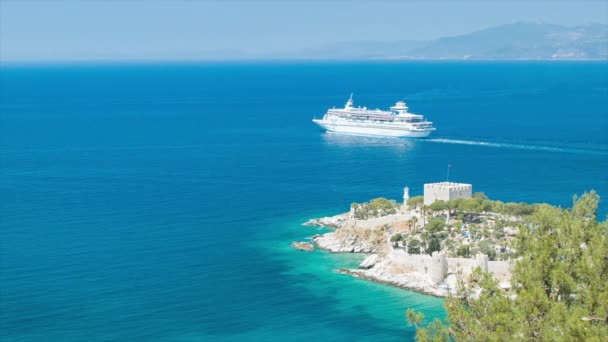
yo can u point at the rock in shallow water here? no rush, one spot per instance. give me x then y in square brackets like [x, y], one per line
[303, 246]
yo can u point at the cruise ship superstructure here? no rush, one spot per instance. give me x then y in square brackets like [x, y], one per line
[396, 122]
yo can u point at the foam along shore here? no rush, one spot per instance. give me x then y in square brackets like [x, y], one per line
[389, 263]
[331, 221]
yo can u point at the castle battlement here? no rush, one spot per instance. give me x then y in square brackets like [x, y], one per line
[446, 191]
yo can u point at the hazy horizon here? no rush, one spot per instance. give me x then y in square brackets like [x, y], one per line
[33, 31]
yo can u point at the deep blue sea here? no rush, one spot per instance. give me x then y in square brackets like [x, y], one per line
[158, 202]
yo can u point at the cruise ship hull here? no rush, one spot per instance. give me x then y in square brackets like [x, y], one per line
[371, 129]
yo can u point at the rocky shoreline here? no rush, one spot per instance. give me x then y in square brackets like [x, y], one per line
[347, 238]
[336, 242]
[331, 221]
[433, 275]
[411, 283]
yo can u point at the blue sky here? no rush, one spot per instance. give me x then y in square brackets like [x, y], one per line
[115, 30]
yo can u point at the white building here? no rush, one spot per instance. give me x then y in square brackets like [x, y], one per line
[446, 191]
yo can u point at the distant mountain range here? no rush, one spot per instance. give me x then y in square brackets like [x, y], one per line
[518, 41]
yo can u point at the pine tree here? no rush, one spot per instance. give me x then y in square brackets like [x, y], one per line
[560, 285]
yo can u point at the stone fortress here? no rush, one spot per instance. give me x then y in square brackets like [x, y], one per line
[446, 191]
[434, 274]
[438, 266]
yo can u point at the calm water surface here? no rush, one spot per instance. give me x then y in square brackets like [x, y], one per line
[158, 202]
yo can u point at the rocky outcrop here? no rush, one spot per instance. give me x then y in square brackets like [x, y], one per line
[369, 262]
[330, 221]
[345, 242]
[303, 246]
[409, 282]
[434, 275]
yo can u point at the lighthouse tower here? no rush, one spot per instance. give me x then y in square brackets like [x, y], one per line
[406, 196]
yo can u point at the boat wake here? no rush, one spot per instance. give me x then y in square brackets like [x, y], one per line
[520, 146]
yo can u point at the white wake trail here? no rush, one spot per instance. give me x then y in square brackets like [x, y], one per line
[518, 146]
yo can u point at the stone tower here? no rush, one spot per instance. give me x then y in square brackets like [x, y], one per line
[439, 267]
[481, 260]
[406, 196]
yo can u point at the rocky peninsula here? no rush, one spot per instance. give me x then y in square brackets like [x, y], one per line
[426, 248]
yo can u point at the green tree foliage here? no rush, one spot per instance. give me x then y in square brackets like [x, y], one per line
[434, 245]
[383, 204]
[464, 251]
[485, 205]
[487, 248]
[470, 205]
[435, 225]
[560, 285]
[374, 208]
[414, 201]
[413, 246]
[436, 331]
[480, 203]
[455, 204]
[396, 238]
[480, 195]
[438, 206]
[498, 206]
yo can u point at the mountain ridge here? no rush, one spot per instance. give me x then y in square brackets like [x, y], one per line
[515, 41]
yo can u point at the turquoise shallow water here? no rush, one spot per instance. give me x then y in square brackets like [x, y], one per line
[158, 202]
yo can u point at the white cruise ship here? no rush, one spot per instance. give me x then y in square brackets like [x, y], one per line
[359, 120]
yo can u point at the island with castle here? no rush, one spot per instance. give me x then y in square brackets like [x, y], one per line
[426, 243]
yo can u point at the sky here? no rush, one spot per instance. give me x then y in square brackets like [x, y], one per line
[189, 30]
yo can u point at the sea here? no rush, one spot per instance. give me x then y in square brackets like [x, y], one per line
[158, 201]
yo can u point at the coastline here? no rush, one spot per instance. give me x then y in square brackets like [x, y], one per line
[435, 274]
[410, 286]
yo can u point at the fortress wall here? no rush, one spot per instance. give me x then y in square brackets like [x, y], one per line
[466, 265]
[438, 266]
[415, 263]
[501, 269]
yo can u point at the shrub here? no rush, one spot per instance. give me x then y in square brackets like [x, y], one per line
[413, 246]
[435, 225]
[464, 251]
[434, 245]
[414, 201]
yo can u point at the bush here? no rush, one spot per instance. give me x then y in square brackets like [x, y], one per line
[469, 205]
[486, 248]
[382, 203]
[480, 195]
[396, 238]
[486, 205]
[375, 208]
[438, 206]
[498, 207]
[414, 201]
[413, 246]
[435, 225]
[464, 251]
[434, 245]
